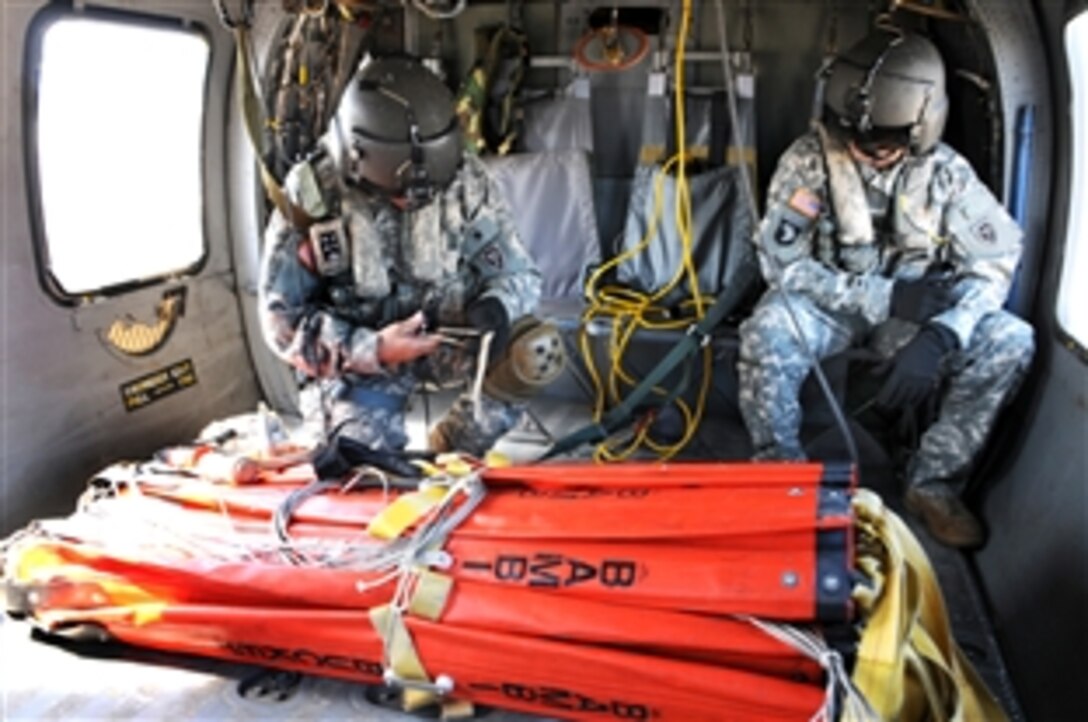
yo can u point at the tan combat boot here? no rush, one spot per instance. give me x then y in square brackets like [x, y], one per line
[946, 517]
[437, 440]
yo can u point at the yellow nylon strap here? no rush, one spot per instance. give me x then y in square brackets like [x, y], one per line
[497, 460]
[147, 613]
[458, 709]
[453, 464]
[30, 563]
[401, 655]
[426, 467]
[909, 665]
[431, 592]
[252, 119]
[405, 511]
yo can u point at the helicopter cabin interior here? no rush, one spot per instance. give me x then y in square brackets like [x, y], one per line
[135, 136]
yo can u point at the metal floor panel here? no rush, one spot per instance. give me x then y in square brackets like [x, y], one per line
[46, 681]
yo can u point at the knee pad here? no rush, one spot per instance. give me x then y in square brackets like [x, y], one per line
[533, 358]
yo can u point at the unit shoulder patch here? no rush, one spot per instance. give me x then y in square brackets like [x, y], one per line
[492, 256]
[984, 232]
[786, 232]
[981, 228]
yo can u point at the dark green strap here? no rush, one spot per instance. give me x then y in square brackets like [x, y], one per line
[697, 336]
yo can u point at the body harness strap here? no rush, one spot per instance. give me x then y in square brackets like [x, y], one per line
[251, 110]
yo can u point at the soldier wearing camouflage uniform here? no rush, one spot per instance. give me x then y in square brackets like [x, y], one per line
[403, 235]
[881, 235]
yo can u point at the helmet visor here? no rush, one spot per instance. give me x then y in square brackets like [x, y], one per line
[418, 170]
[880, 142]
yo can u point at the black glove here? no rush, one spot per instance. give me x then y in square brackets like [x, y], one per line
[915, 369]
[488, 314]
[923, 298]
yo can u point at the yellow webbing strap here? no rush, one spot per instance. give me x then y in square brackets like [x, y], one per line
[251, 116]
[405, 511]
[429, 597]
[458, 709]
[454, 464]
[909, 666]
[401, 655]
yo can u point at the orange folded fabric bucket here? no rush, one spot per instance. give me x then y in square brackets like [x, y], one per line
[574, 591]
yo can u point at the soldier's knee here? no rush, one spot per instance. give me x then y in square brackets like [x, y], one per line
[1022, 336]
[755, 329]
[767, 331]
[1013, 340]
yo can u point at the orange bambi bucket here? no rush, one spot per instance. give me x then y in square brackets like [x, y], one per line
[585, 592]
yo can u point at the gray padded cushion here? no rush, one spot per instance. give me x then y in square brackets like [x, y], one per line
[551, 197]
[721, 235]
[558, 123]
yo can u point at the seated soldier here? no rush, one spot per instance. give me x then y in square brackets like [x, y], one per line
[407, 235]
[882, 235]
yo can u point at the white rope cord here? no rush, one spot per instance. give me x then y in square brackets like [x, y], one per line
[156, 527]
[481, 371]
[442, 522]
[855, 708]
[421, 6]
[141, 519]
[146, 513]
[365, 473]
[118, 516]
[405, 556]
[136, 521]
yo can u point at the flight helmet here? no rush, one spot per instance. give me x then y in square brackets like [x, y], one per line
[397, 131]
[888, 88]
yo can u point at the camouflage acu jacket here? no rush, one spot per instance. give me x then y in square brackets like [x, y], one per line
[841, 234]
[325, 291]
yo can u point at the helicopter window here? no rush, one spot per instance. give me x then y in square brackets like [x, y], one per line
[1073, 292]
[117, 119]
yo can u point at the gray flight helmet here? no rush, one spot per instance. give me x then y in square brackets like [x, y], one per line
[397, 130]
[890, 81]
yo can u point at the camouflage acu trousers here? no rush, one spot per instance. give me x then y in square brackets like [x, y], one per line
[977, 380]
[372, 409]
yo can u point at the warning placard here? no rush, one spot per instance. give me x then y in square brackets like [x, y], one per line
[140, 392]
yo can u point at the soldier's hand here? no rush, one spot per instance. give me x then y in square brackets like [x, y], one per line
[405, 341]
[915, 370]
[923, 298]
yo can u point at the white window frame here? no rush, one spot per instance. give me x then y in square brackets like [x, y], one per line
[117, 193]
[1072, 304]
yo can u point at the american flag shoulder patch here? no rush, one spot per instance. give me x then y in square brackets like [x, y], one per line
[806, 203]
